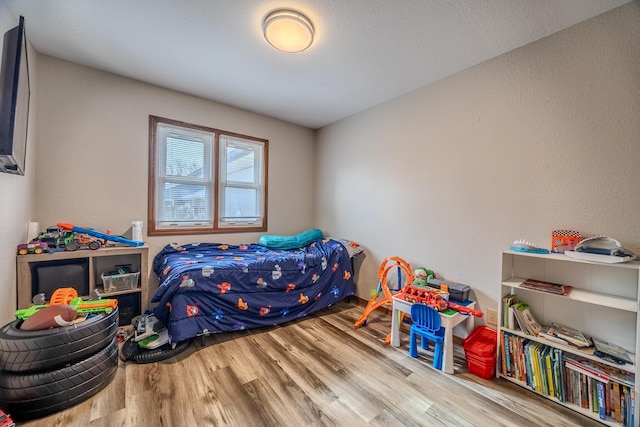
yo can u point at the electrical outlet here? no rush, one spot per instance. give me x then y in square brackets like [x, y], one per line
[492, 316]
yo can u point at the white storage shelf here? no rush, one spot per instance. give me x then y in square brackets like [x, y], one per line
[603, 303]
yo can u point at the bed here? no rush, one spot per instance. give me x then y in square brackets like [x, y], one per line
[210, 287]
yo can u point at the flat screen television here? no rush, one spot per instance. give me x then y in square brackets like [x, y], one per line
[14, 100]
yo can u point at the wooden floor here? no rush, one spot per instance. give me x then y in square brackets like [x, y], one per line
[316, 371]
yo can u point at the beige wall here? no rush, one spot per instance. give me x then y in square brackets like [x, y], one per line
[17, 193]
[545, 137]
[93, 152]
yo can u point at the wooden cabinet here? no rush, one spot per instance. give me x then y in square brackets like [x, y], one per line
[96, 262]
[602, 304]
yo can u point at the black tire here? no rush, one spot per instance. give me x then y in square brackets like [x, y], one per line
[72, 246]
[34, 395]
[31, 351]
[94, 245]
[131, 351]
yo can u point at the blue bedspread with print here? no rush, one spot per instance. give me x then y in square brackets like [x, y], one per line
[212, 287]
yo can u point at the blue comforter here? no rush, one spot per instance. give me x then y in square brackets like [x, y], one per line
[211, 287]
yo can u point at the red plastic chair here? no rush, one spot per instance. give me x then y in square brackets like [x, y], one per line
[426, 324]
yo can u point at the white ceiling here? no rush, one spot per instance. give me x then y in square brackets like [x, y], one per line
[365, 51]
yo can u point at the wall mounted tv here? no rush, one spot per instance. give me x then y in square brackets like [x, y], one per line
[14, 100]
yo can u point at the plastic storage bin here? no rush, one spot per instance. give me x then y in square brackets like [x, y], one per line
[480, 352]
[120, 282]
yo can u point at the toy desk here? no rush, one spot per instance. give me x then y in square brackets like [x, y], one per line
[448, 319]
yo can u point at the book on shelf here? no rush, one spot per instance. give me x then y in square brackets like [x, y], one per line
[602, 411]
[549, 333]
[615, 352]
[507, 311]
[601, 369]
[615, 399]
[525, 319]
[570, 335]
[570, 364]
[552, 288]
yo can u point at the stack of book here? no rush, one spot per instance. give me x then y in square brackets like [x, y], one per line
[552, 288]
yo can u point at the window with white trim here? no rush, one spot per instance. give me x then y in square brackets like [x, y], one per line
[205, 180]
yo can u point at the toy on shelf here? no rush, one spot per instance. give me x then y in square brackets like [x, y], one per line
[55, 237]
[84, 241]
[564, 240]
[33, 247]
[422, 276]
[601, 249]
[100, 235]
[383, 287]
[526, 246]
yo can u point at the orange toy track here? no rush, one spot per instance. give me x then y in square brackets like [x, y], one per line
[382, 285]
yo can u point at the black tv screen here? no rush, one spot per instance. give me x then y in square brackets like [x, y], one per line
[14, 100]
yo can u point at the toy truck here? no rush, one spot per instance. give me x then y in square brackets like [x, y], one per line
[83, 241]
[34, 247]
[55, 237]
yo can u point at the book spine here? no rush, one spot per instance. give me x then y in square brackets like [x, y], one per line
[602, 413]
[623, 407]
[550, 378]
[507, 356]
[558, 374]
[632, 421]
[615, 402]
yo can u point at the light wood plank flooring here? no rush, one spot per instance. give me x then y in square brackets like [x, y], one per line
[317, 371]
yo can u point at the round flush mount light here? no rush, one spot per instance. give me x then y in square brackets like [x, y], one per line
[288, 30]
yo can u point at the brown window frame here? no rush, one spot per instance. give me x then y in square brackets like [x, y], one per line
[215, 228]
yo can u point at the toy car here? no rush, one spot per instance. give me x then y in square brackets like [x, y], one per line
[119, 269]
[55, 237]
[5, 420]
[83, 241]
[149, 332]
[33, 247]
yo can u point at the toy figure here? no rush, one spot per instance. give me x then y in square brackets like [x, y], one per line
[422, 276]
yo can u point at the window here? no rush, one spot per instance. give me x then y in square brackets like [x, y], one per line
[205, 180]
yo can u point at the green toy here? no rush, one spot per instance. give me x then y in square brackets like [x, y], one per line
[422, 276]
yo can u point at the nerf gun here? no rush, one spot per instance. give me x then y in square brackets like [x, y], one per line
[70, 296]
[98, 234]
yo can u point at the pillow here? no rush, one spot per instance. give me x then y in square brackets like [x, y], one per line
[291, 242]
[352, 247]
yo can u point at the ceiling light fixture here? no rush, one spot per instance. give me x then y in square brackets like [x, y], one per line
[288, 30]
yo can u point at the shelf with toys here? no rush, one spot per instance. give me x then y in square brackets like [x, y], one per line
[114, 271]
[595, 300]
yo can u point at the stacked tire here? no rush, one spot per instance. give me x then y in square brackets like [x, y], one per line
[43, 372]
